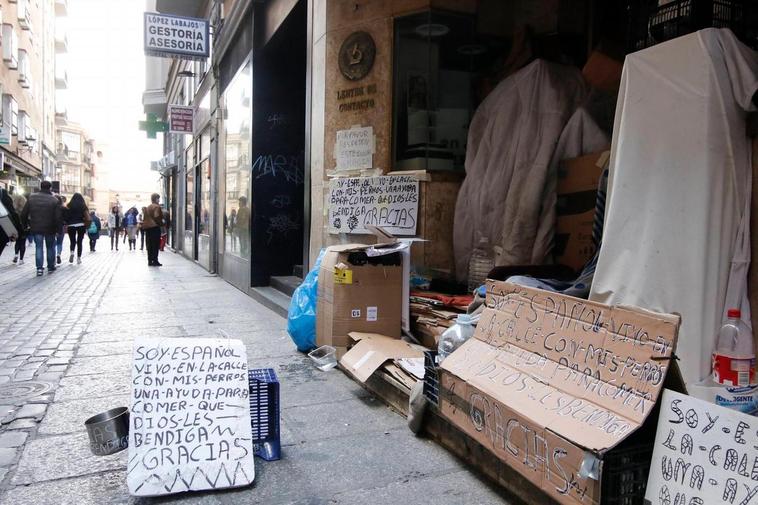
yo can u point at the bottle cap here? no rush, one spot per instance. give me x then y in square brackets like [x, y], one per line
[733, 314]
[463, 319]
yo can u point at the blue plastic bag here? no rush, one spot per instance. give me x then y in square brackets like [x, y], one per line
[301, 316]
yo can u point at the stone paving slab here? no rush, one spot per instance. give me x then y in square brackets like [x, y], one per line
[60, 457]
[92, 386]
[69, 416]
[105, 349]
[118, 364]
[343, 418]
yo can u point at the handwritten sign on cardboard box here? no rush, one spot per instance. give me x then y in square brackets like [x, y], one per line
[549, 383]
[190, 416]
[389, 202]
[703, 454]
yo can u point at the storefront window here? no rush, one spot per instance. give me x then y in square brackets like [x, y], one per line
[237, 104]
[189, 197]
[441, 66]
[205, 198]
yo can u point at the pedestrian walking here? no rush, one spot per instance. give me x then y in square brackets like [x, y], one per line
[114, 226]
[20, 248]
[43, 215]
[152, 223]
[140, 219]
[77, 221]
[62, 230]
[130, 223]
[13, 233]
[93, 230]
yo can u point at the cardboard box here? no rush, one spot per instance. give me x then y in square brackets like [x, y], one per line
[578, 179]
[551, 383]
[358, 293]
[603, 72]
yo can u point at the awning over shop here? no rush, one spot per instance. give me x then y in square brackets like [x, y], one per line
[21, 166]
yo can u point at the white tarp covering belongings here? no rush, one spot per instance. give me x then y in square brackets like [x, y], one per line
[511, 142]
[676, 233]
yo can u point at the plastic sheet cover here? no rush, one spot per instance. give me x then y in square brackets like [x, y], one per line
[511, 141]
[677, 219]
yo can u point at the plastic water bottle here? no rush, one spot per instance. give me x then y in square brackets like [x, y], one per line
[480, 264]
[454, 336]
[734, 357]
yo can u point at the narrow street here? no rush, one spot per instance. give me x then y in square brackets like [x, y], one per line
[65, 352]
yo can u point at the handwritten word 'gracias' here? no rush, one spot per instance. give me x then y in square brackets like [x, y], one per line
[183, 353]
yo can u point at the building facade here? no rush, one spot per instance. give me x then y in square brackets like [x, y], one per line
[236, 186]
[250, 188]
[28, 81]
[76, 159]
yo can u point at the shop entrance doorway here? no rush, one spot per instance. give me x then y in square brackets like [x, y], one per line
[278, 146]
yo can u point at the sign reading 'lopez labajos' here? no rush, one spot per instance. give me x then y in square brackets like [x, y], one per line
[174, 36]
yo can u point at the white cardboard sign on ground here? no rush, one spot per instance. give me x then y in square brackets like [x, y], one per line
[704, 454]
[389, 202]
[189, 426]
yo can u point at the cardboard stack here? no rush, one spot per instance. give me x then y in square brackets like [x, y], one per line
[578, 180]
[358, 292]
[550, 384]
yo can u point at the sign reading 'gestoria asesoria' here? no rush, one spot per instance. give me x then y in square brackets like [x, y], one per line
[176, 37]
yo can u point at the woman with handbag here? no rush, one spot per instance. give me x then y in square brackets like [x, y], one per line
[78, 220]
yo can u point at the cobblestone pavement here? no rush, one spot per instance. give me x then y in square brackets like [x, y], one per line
[65, 344]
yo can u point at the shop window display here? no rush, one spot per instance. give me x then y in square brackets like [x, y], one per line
[440, 73]
[237, 104]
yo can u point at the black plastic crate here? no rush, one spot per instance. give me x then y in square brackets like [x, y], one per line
[431, 378]
[625, 472]
[264, 412]
[651, 24]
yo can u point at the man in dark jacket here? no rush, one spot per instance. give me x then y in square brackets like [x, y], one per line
[43, 215]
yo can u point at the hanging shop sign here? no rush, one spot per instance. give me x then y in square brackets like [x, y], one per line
[181, 119]
[190, 426]
[356, 57]
[176, 37]
[389, 202]
[703, 454]
[354, 148]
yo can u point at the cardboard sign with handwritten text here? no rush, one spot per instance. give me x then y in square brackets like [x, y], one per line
[703, 454]
[389, 202]
[190, 416]
[549, 383]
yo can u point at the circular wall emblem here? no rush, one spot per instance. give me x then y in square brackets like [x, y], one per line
[357, 56]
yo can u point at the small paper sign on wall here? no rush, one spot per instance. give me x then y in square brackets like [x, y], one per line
[389, 202]
[354, 148]
[190, 416]
[704, 454]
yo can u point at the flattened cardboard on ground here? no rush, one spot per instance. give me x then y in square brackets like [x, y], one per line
[550, 383]
[372, 351]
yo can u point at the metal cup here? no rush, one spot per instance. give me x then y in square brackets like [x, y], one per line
[108, 432]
